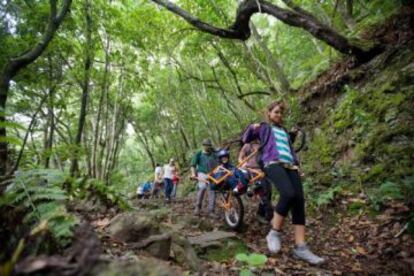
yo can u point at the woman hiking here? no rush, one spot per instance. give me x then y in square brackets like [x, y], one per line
[280, 164]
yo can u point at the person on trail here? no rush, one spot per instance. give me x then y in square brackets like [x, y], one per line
[280, 164]
[175, 180]
[203, 162]
[169, 172]
[157, 181]
[262, 186]
[144, 190]
[237, 182]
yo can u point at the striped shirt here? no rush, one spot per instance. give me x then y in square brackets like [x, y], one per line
[282, 145]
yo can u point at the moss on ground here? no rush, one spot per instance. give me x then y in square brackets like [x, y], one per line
[366, 136]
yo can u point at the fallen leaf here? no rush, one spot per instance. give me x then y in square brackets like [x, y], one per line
[361, 250]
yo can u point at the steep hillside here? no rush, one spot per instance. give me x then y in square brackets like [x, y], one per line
[360, 120]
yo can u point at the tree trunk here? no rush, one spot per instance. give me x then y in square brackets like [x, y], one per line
[14, 65]
[50, 115]
[104, 91]
[26, 136]
[85, 84]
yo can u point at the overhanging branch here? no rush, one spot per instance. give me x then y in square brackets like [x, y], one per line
[240, 28]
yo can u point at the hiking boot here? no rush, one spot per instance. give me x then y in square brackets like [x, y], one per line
[273, 241]
[303, 252]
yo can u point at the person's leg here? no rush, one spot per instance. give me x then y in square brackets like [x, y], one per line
[279, 177]
[298, 207]
[265, 209]
[301, 251]
[174, 191]
[211, 199]
[167, 188]
[201, 187]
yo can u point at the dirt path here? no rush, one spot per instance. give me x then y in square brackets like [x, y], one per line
[358, 243]
[352, 241]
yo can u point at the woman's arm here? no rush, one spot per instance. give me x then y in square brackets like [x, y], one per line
[252, 133]
[243, 153]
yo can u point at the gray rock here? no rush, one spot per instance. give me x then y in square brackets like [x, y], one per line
[132, 227]
[142, 267]
[157, 245]
[184, 253]
[210, 237]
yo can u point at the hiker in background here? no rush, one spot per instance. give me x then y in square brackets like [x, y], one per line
[144, 190]
[262, 186]
[158, 181]
[281, 166]
[169, 172]
[175, 180]
[202, 163]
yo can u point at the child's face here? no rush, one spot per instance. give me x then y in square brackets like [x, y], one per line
[224, 160]
[276, 115]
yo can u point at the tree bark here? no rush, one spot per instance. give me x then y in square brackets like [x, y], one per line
[85, 84]
[14, 65]
[240, 28]
[50, 115]
[104, 91]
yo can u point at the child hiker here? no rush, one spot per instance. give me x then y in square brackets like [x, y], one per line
[280, 165]
[265, 210]
[237, 182]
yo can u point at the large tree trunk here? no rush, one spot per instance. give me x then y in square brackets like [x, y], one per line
[104, 91]
[85, 84]
[14, 65]
[294, 17]
[50, 115]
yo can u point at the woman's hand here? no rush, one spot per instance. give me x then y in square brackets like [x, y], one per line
[294, 130]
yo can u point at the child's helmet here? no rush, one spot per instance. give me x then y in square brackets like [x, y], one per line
[223, 153]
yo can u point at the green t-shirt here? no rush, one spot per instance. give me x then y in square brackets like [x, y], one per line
[204, 162]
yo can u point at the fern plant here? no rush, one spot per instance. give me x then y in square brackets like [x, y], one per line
[39, 195]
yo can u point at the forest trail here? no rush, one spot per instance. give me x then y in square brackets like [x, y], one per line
[359, 182]
[359, 243]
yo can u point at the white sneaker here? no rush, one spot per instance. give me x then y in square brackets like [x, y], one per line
[273, 241]
[303, 252]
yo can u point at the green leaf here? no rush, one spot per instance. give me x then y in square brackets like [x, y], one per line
[242, 257]
[10, 140]
[245, 272]
[257, 259]
[10, 124]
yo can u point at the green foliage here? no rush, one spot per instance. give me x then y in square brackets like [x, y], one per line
[250, 261]
[39, 195]
[389, 190]
[109, 194]
[226, 251]
[328, 196]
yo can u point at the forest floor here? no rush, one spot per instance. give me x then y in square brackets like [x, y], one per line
[352, 241]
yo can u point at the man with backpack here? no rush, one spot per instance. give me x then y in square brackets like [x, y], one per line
[203, 162]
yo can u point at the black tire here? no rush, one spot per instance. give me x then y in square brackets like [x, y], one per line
[233, 217]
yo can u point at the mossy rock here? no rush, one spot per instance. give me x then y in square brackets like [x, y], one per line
[225, 251]
[151, 267]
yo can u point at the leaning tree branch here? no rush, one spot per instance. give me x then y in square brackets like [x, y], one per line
[55, 20]
[240, 28]
[254, 93]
